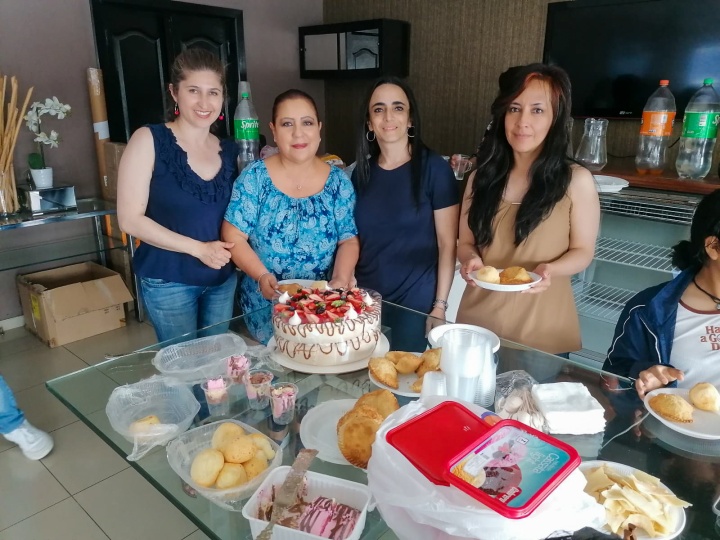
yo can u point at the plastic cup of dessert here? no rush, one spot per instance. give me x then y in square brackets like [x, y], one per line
[282, 396]
[216, 395]
[237, 367]
[257, 385]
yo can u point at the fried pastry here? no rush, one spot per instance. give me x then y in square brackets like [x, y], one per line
[705, 397]
[417, 385]
[143, 425]
[384, 371]
[488, 274]
[231, 475]
[290, 288]
[430, 361]
[239, 450]
[405, 362]
[672, 407]
[255, 465]
[383, 401]
[515, 275]
[357, 433]
[263, 444]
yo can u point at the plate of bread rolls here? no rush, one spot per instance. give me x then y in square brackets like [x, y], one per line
[512, 278]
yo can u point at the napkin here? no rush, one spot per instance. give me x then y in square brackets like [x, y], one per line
[569, 408]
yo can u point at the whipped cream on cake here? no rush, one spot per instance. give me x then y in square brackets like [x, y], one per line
[327, 326]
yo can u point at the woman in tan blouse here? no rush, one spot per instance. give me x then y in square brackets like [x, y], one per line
[528, 205]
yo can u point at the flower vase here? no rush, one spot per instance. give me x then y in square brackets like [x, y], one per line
[8, 193]
[42, 178]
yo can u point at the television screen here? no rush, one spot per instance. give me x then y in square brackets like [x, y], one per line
[616, 52]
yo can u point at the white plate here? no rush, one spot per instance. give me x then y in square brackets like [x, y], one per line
[705, 424]
[405, 381]
[507, 288]
[609, 184]
[381, 349]
[436, 334]
[678, 512]
[318, 429]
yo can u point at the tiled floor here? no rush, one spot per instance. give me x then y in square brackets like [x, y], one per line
[82, 490]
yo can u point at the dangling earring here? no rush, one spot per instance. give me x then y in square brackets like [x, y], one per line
[177, 110]
[221, 117]
[367, 136]
[411, 135]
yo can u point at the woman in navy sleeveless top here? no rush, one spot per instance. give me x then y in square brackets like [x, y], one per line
[406, 212]
[175, 181]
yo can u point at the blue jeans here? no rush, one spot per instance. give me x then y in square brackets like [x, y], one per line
[10, 416]
[176, 309]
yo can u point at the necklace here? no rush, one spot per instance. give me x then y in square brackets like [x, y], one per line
[711, 296]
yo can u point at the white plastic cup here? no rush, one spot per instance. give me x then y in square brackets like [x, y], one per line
[462, 361]
[433, 384]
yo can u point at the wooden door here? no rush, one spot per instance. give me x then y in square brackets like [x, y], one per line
[137, 41]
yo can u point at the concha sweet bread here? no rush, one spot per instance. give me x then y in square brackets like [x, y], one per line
[705, 397]
[488, 274]
[672, 407]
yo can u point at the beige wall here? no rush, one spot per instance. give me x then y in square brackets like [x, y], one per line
[49, 44]
[458, 48]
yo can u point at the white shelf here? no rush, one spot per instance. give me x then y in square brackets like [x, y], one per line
[668, 207]
[601, 302]
[634, 254]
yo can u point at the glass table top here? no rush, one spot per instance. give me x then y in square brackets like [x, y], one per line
[690, 467]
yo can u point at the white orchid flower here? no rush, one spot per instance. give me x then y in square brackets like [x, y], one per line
[53, 107]
[51, 140]
[31, 120]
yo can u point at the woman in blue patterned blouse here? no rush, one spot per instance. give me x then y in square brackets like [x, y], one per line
[290, 215]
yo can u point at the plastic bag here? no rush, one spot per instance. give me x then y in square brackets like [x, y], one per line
[416, 508]
[513, 399]
[170, 400]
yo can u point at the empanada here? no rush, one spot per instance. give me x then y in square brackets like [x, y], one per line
[417, 385]
[290, 288]
[515, 275]
[383, 401]
[672, 407]
[357, 433]
[405, 362]
[705, 397]
[384, 371]
[430, 361]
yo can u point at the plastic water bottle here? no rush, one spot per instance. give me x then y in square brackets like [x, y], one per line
[699, 133]
[247, 131]
[655, 131]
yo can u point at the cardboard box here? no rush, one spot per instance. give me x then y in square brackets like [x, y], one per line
[113, 153]
[74, 302]
[119, 260]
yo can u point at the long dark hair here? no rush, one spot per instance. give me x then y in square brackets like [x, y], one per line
[550, 174]
[706, 222]
[367, 150]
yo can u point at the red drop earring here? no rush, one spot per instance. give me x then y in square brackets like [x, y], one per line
[221, 117]
[177, 110]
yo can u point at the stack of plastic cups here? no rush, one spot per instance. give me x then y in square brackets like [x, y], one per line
[485, 391]
[433, 385]
[462, 362]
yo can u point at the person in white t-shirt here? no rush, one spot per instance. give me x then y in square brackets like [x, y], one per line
[669, 335]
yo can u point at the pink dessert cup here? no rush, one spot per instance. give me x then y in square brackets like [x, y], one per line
[283, 396]
[257, 384]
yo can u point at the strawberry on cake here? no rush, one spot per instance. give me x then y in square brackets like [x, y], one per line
[327, 326]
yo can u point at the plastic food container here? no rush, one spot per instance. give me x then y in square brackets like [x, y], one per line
[199, 359]
[509, 467]
[343, 491]
[182, 451]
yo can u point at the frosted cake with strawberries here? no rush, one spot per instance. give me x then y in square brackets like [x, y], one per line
[325, 327]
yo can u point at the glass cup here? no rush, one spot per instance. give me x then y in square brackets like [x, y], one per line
[282, 396]
[257, 386]
[461, 164]
[216, 395]
[592, 151]
[462, 360]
